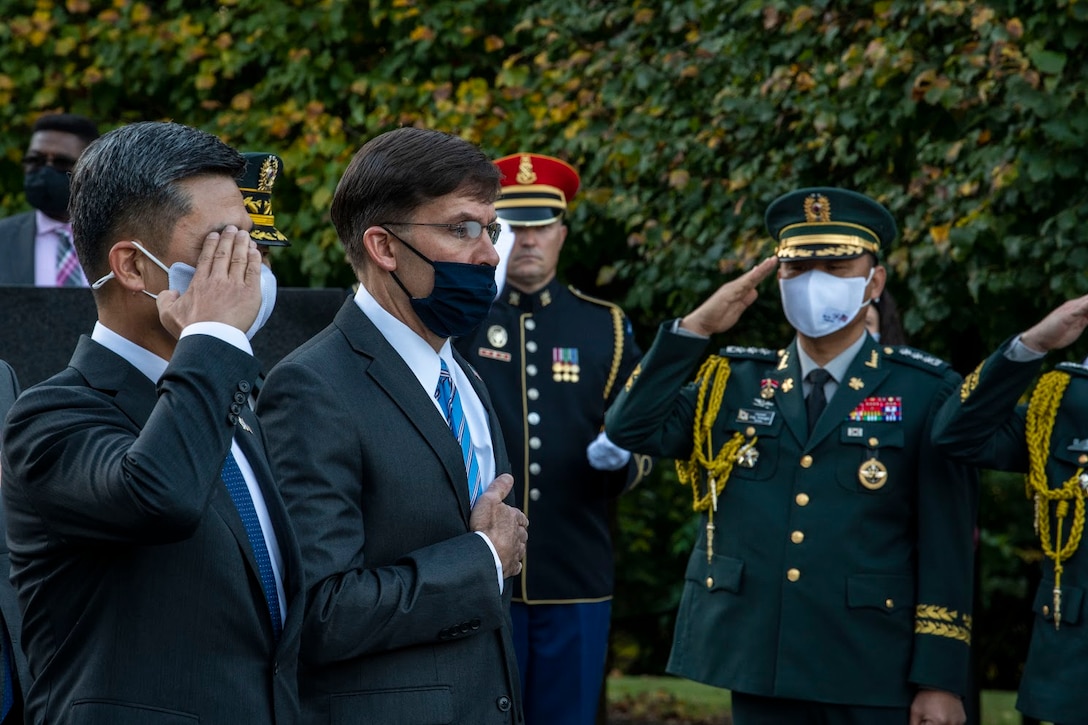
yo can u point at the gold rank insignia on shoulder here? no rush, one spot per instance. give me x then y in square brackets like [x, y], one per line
[565, 367]
[856, 383]
[784, 361]
[873, 474]
[497, 336]
[787, 385]
[872, 362]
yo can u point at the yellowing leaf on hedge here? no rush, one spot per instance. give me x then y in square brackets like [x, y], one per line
[140, 13]
[678, 178]
[493, 43]
[940, 233]
[204, 81]
[243, 101]
[643, 16]
[422, 32]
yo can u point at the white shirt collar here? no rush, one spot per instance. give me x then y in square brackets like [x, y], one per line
[140, 358]
[838, 365]
[416, 352]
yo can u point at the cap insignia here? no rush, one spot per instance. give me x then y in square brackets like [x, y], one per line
[526, 175]
[269, 169]
[817, 208]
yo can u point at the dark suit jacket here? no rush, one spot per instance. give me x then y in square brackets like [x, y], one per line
[10, 618]
[17, 249]
[404, 621]
[141, 597]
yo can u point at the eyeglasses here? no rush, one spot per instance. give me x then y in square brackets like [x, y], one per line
[36, 160]
[461, 230]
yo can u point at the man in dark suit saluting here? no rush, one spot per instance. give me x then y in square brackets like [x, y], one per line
[155, 565]
[387, 447]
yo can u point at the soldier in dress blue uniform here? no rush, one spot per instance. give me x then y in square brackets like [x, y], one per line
[831, 581]
[553, 360]
[987, 425]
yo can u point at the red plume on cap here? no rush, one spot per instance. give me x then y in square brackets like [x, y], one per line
[535, 189]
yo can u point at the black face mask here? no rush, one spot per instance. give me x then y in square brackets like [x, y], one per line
[461, 297]
[47, 191]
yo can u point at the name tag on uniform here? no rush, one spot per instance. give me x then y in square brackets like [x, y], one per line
[756, 417]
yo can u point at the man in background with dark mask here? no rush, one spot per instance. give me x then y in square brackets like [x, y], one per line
[831, 579]
[390, 455]
[37, 245]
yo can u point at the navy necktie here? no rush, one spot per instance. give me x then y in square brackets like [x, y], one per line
[817, 398]
[450, 402]
[239, 494]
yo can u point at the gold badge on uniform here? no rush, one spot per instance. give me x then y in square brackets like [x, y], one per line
[497, 336]
[787, 385]
[873, 474]
[767, 387]
[856, 383]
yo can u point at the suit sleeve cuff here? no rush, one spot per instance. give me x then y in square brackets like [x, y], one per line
[221, 331]
[495, 555]
[1017, 351]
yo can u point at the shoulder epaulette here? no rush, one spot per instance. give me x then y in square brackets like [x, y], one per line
[583, 296]
[749, 353]
[916, 358]
[1073, 368]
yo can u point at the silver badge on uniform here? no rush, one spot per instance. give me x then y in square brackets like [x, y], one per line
[496, 335]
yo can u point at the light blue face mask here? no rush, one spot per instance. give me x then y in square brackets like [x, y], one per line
[181, 274]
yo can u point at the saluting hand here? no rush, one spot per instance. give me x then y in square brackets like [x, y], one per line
[1060, 328]
[226, 286]
[723, 308]
[506, 526]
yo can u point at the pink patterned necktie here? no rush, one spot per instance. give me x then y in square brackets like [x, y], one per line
[69, 273]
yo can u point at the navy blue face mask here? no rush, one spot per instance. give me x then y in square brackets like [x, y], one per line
[461, 297]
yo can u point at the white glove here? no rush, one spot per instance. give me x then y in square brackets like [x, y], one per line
[604, 455]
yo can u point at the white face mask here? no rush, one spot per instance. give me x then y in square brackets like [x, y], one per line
[181, 274]
[817, 303]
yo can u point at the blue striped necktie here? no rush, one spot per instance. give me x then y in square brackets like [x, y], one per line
[239, 494]
[450, 402]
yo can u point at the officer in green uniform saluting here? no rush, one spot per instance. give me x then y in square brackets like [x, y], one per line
[1047, 438]
[831, 582]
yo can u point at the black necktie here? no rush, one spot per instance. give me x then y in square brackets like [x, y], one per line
[816, 401]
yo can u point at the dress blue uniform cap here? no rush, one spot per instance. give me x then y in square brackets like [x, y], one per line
[262, 170]
[828, 223]
[535, 189]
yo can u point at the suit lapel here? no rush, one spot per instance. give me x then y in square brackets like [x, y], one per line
[865, 374]
[108, 372]
[393, 376]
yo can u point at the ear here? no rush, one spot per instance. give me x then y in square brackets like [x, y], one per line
[378, 244]
[130, 268]
[876, 284]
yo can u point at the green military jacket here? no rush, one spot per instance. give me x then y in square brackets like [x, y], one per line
[985, 425]
[820, 587]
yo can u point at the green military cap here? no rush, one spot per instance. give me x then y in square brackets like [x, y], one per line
[828, 223]
[262, 170]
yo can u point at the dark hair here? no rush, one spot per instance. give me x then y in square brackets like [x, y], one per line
[395, 173]
[891, 327]
[72, 123]
[125, 185]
